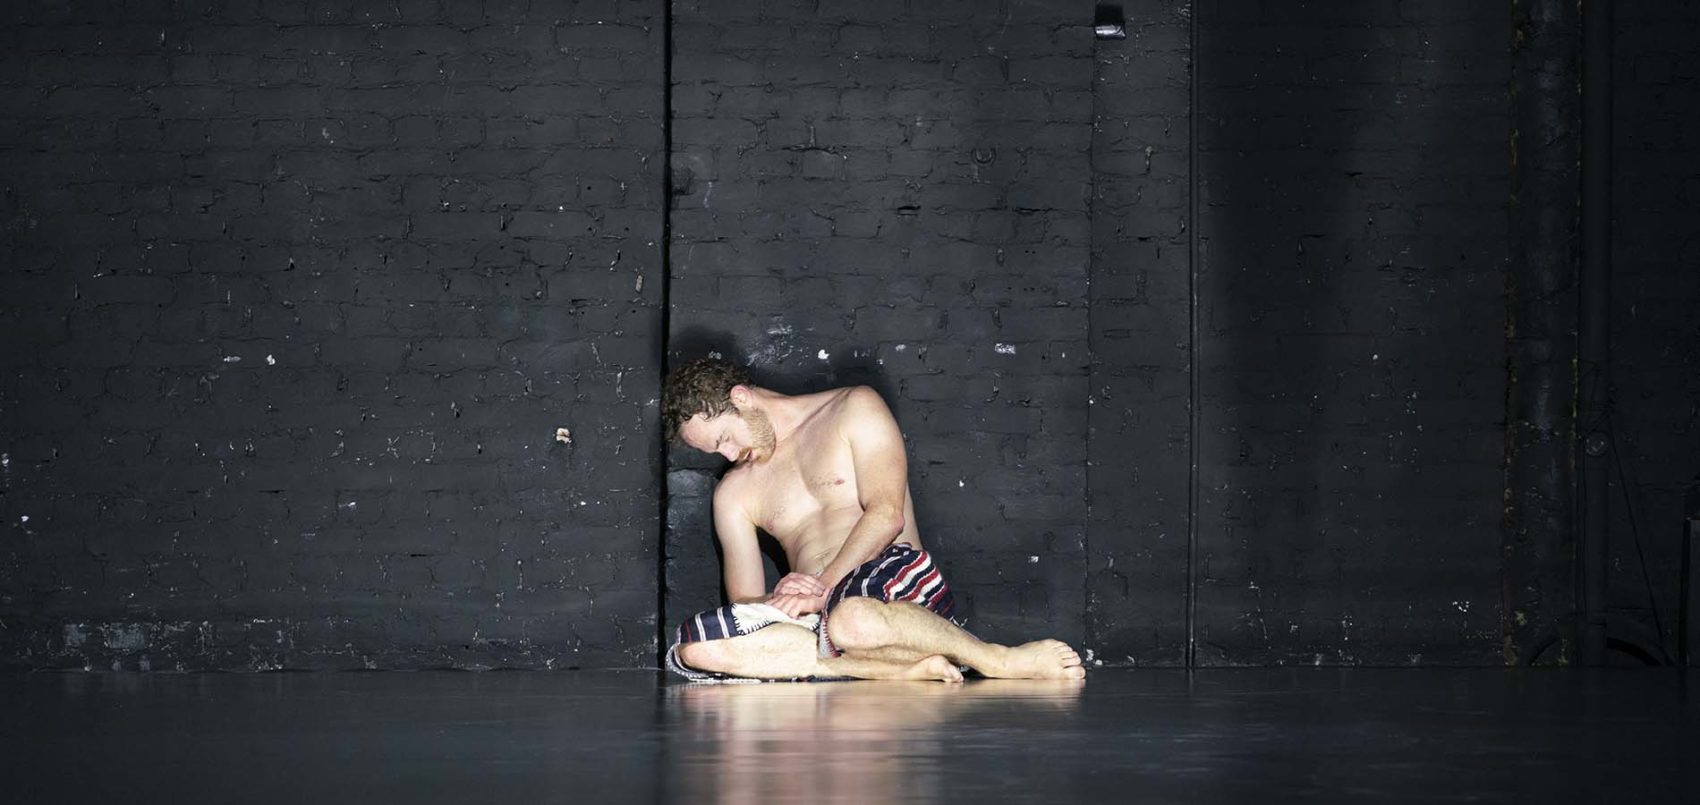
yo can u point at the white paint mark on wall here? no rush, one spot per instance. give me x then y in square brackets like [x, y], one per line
[779, 346]
[902, 347]
[1462, 606]
[822, 355]
[960, 484]
[1032, 560]
[563, 436]
[271, 361]
[125, 637]
[1005, 349]
[232, 359]
[23, 518]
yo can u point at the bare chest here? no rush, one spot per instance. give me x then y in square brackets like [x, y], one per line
[797, 490]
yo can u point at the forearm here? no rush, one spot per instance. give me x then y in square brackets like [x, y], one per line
[873, 533]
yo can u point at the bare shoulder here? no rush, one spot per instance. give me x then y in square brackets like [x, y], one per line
[860, 408]
[733, 493]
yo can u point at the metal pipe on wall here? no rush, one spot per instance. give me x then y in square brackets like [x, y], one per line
[1594, 327]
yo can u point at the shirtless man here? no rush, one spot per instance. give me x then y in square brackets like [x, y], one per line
[825, 475]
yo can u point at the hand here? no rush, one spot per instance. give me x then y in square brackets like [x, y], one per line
[799, 584]
[796, 606]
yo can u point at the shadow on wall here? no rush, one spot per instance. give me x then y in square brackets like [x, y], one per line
[844, 366]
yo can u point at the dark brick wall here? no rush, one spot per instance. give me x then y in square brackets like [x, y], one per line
[1140, 396]
[1352, 237]
[296, 296]
[1655, 345]
[896, 194]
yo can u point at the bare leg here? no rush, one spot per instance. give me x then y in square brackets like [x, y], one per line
[931, 667]
[866, 627]
[786, 651]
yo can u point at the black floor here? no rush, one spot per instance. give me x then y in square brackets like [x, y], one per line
[1241, 736]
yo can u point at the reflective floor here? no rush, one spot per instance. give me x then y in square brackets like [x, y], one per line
[1239, 736]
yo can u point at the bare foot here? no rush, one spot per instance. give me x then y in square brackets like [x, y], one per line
[1040, 659]
[934, 667]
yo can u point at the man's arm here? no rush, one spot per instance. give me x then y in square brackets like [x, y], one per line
[882, 482]
[741, 566]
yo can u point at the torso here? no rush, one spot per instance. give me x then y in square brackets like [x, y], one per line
[805, 496]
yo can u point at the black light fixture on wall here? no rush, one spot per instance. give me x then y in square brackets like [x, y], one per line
[1108, 22]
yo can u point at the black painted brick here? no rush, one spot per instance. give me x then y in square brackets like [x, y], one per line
[296, 407]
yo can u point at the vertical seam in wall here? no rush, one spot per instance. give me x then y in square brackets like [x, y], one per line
[1192, 345]
[1086, 625]
[665, 324]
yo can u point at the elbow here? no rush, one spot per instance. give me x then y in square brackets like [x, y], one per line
[890, 518]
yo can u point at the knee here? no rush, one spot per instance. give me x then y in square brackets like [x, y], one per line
[858, 623]
[707, 655]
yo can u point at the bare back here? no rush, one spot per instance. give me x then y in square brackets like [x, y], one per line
[806, 495]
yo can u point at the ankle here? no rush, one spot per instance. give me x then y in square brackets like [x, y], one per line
[994, 660]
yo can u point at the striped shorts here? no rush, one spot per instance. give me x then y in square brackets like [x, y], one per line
[899, 573]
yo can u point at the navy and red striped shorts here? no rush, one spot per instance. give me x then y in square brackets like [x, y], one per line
[899, 573]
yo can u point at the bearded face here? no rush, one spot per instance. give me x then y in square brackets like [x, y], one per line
[762, 441]
[741, 435]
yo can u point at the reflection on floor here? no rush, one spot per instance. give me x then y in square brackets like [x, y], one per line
[1265, 736]
[852, 741]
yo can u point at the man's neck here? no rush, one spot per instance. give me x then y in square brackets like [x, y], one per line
[784, 412]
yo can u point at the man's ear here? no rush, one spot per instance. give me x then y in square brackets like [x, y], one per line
[740, 395]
